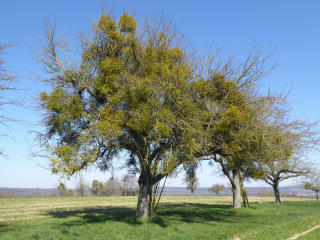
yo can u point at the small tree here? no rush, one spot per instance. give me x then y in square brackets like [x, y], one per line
[113, 187]
[101, 189]
[62, 189]
[94, 187]
[313, 182]
[277, 170]
[217, 188]
[69, 193]
[36, 193]
[191, 179]
[81, 186]
[129, 185]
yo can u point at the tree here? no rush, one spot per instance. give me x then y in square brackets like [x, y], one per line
[255, 129]
[235, 132]
[312, 182]
[217, 188]
[277, 170]
[129, 185]
[287, 157]
[7, 81]
[191, 179]
[95, 187]
[129, 92]
[113, 187]
[81, 186]
[62, 189]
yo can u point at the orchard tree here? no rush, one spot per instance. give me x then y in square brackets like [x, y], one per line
[278, 170]
[251, 128]
[287, 157]
[62, 189]
[95, 187]
[129, 93]
[312, 182]
[217, 188]
[129, 185]
[191, 179]
[237, 136]
[113, 187]
[81, 186]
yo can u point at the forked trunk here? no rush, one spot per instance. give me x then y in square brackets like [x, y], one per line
[144, 200]
[236, 189]
[277, 193]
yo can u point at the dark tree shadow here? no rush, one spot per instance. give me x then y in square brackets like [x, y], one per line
[200, 213]
[96, 215]
[5, 228]
[185, 212]
[3, 225]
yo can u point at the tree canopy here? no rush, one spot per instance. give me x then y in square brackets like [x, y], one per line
[129, 93]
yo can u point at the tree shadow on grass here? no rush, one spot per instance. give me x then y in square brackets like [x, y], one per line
[200, 213]
[5, 228]
[167, 214]
[3, 225]
[96, 215]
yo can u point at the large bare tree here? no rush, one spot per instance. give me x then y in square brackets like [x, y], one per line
[8, 80]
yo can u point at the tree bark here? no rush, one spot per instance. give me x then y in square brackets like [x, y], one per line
[191, 193]
[236, 189]
[277, 193]
[144, 200]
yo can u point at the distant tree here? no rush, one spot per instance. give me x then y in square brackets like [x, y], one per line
[36, 193]
[53, 194]
[101, 189]
[62, 189]
[113, 187]
[69, 193]
[129, 185]
[94, 188]
[191, 179]
[217, 188]
[312, 182]
[81, 186]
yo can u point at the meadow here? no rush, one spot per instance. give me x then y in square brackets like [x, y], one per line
[177, 218]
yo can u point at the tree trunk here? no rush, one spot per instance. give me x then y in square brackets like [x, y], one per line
[191, 193]
[144, 200]
[277, 193]
[317, 196]
[236, 189]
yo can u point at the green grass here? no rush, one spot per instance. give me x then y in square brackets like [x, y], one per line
[177, 218]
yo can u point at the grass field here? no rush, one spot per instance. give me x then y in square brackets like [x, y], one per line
[177, 218]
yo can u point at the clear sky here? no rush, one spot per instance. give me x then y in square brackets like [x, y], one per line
[290, 25]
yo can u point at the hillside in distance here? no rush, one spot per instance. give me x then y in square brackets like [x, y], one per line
[167, 191]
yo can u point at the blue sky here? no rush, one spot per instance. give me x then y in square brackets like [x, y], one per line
[291, 26]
